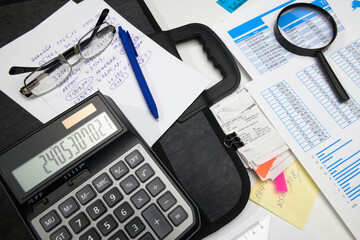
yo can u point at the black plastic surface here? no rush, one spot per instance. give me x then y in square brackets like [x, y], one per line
[193, 147]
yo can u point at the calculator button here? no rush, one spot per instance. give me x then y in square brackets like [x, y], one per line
[50, 220]
[166, 201]
[85, 194]
[61, 234]
[134, 158]
[119, 170]
[134, 227]
[140, 198]
[123, 212]
[90, 234]
[178, 215]
[112, 197]
[157, 221]
[119, 235]
[129, 184]
[96, 209]
[155, 186]
[102, 182]
[147, 236]
[106, 225]
[68, 207]
[79, 222]
[144, 173]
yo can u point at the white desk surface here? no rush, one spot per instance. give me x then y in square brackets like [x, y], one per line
[323, 223]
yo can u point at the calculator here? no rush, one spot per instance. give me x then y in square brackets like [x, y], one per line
[87, 174]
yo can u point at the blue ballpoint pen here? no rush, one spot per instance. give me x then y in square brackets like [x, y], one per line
[132, 54]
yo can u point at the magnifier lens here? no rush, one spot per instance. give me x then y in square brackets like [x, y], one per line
[306, 27]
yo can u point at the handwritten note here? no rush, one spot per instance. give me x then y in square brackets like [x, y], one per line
[168, 78]
[293, 206]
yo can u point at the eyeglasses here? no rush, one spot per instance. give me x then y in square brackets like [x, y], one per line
[53, 73]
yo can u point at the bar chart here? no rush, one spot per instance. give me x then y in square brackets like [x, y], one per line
[341, 159]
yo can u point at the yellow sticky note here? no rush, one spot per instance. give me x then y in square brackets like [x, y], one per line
[293, 206]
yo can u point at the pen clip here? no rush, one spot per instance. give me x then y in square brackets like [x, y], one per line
[132, 43]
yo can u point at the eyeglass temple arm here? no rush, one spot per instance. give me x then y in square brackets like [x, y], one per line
[67, 54]
[101, 19]
[52, 65]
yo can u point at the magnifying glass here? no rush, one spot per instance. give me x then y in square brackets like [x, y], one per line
[306, 29]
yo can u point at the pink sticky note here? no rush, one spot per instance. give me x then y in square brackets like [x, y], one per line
[280, 183]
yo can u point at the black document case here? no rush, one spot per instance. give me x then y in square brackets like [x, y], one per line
[194, 148]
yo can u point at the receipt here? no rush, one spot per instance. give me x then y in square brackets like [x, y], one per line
[240, 114]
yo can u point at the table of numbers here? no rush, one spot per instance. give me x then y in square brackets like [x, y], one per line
[348, 59]
[316, 82]
[296, 117]
[263, 51]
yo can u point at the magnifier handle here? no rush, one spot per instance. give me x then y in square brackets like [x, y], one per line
[334, 81]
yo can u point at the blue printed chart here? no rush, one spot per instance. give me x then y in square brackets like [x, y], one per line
[296, 117]
[348, 59]
[341, 159]
[323, 133]
[355, 4]
[263, 50]
[308, 29]
[256, 40]
[231, 5]
[344, 114]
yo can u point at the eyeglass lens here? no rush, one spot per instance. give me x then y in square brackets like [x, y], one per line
[90, 45]
[42, 81]
[94, 42]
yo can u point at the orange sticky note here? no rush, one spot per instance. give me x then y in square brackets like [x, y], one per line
[280, 183]
[264, 168]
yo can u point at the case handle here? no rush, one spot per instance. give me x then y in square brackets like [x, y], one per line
[216, 52]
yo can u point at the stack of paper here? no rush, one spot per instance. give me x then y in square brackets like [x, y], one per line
[168, 78]
[264, 150]
[294, 93]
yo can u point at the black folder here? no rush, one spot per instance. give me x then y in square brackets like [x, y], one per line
[195, 148]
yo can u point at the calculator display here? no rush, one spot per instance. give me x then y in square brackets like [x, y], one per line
[64, 151]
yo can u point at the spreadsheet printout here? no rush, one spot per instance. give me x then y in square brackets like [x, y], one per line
[323, 133]
[252, 40]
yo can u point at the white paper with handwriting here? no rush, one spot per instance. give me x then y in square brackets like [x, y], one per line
[173, 84]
